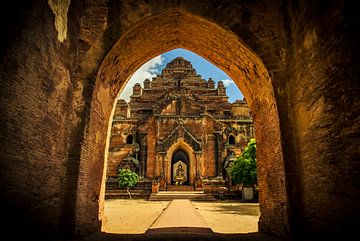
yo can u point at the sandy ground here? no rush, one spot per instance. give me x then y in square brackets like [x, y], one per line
[136, 216]
[125, 216]
[230, 216]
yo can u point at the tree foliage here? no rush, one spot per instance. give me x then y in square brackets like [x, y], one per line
[127, 179]
[244, 168]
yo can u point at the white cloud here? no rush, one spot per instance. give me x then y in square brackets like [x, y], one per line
[227, 82]
[147, 70]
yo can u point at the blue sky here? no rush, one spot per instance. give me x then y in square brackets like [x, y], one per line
[203, 67]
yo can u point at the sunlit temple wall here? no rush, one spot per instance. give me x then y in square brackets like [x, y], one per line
[183, 107]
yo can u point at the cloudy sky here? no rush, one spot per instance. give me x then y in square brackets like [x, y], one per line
[203, 67]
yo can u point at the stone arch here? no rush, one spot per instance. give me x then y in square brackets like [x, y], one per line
[181, 144]
[180, 29]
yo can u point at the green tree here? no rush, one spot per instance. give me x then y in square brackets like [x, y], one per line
[244, 168]
[127, 179]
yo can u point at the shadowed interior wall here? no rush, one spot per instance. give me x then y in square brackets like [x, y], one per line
[36, 120]
[324, 85]
[56, 103]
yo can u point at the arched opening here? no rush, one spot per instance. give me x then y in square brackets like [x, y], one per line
[231, 140]
[179, 29]
[231, 116]
[129, 139]
[180, 166]
[186, 152]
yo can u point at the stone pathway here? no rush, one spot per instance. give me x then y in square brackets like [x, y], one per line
[140, 220]
[180, 214]
[125, 216]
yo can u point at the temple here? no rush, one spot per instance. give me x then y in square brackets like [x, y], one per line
[178, 129]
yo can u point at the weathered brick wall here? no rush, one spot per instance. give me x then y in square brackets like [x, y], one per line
[208, 140]
[240, 108]
[151, 147]
[122, 109]
[271, 176]
[196, 127]
[210, 155]
[36, 99]
[166, 125]
[324, 83]
[119, 133]
[170, 109]
[115, 159]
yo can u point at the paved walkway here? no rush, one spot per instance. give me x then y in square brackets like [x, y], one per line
[180, 215]
[179, 220]
[124, 216]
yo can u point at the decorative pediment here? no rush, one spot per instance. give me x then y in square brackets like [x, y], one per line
[170, 109]
[228, 130]
[179, 132]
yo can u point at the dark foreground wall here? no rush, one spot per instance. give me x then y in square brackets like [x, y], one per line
[324, 77]
[36, 120]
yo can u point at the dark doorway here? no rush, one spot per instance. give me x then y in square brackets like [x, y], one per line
[180, 168]
[231, 140]
[129, 139]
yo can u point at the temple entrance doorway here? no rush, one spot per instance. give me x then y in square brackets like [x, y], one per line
[180, 168]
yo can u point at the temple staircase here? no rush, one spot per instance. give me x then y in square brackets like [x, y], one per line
[183, 188]
[181, 192]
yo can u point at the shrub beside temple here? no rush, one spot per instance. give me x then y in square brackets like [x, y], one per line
[127, 179]
[244, 172]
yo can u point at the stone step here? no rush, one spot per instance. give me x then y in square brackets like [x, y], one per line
[122, 194]
[172, 195]
[180, 192]
[179, 188]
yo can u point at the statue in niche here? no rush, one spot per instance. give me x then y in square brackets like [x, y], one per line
[180, 176]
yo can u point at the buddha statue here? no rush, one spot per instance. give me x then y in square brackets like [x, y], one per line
[180, 176]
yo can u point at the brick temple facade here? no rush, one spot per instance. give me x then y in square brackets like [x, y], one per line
[176, 121]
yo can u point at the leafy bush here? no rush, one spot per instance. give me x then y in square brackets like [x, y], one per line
[127, 179]
[243, 171]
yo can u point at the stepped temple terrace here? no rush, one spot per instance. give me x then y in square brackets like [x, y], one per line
[178, 129]
[64, 134]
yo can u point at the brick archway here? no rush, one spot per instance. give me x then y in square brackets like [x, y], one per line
[179, 29]
[181, 144]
